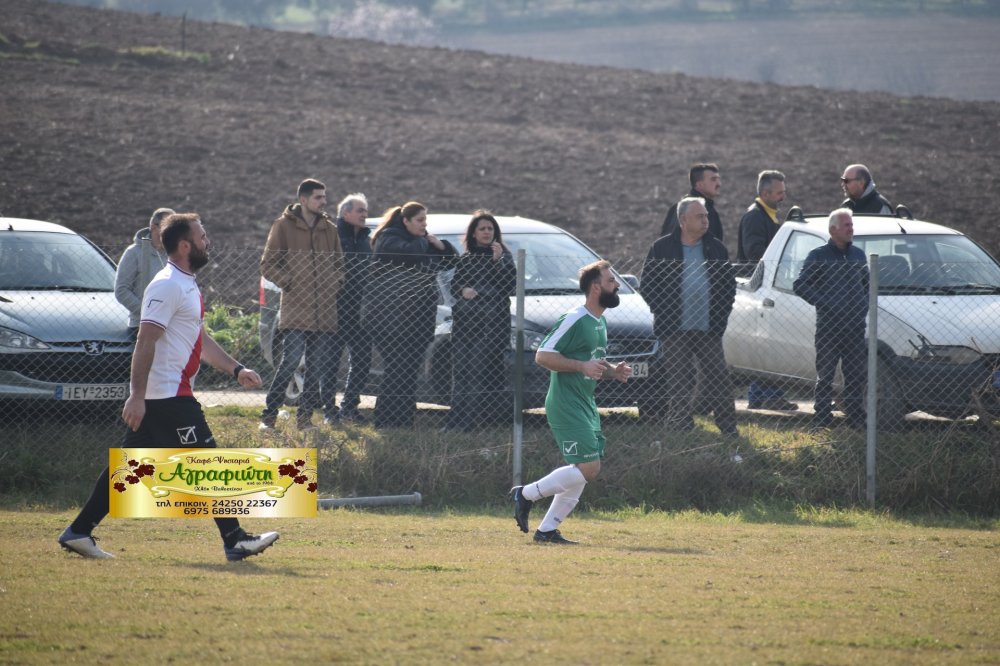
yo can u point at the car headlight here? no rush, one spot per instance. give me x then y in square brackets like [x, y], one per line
[946, 355]
[18, 340]
[532, 340]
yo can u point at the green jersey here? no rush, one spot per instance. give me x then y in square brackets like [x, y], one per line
[570, 402]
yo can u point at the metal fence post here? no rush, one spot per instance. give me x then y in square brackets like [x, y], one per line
[872, 430]
[519, 369]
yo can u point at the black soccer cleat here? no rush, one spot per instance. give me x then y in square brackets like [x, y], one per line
[522, 507]
[553, 536]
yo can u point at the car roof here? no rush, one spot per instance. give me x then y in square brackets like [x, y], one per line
[877, 225]
[457, 223]
[21, 224]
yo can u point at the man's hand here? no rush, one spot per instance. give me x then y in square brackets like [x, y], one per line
[134, 411]
[594, 368]
[249, 379]
[622, 371]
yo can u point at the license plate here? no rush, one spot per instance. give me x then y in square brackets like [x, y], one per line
[640, 370]
[91, 392]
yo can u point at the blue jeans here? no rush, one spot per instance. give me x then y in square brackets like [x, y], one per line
[315, 346]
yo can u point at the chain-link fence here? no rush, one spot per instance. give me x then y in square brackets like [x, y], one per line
[708, 416]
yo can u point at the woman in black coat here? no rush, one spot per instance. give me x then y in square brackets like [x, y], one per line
[401, 305]
[484, 281]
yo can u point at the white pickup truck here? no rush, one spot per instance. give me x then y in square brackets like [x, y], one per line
[938, 316]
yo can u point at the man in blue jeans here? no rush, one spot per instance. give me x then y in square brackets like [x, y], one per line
[303, 256]
[834, 279]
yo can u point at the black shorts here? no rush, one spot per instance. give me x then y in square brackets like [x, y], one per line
[171, 423]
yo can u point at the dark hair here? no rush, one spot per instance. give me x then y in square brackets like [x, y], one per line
[698, 171]
[469, 240]
[308, 186]
[175, 228]
[591, 273]
[767, 178]
[393, 217]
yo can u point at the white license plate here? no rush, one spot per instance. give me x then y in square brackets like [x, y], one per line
[91, 391]
[640, 370]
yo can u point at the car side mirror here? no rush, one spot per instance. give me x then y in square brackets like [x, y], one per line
[631, 280]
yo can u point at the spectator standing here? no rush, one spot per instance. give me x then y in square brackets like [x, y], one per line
[706, 184]
[862, 197]
[304, 258]
[834, 279]
[574, 352]
[140, 261]
[690, 287]
[757, 227]
[352, 213]
[484, 281]
[161, 410]
[401, 305]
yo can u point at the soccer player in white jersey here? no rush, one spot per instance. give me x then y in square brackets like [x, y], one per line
[161, 410]
[573, 350]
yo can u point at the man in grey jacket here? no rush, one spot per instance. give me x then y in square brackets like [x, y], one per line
[139, 263]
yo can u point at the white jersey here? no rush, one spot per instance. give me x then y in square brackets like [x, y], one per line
[173, 302]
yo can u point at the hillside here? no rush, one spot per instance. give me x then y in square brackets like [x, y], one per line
[97, 129]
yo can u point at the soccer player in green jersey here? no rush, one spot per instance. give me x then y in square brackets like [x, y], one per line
[574, 352]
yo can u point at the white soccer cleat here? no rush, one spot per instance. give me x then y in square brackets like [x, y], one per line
[83, 545]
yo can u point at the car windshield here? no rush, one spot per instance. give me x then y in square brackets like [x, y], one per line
[39, 260]
[551, 261]
[941, 264]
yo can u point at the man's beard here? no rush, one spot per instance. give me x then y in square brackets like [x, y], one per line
[198, 258]
[609, 299]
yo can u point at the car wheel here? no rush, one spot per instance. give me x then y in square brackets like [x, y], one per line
[293, 392]
[891, 409]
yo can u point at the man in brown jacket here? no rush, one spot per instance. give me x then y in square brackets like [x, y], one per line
[303, 257]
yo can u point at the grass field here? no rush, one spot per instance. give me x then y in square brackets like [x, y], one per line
[763, 586]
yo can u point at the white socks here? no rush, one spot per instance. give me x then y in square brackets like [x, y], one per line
[562, 504]
[566, 484]
[558, 481]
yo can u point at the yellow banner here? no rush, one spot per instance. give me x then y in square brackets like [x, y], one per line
[212, 483]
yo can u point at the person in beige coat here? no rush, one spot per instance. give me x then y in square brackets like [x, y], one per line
[303, 256]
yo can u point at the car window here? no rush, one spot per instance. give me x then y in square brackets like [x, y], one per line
[920, 264]
[798, 246]
[44, 260]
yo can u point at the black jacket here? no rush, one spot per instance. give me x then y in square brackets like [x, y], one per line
[494, 282]
[714, 222]
[402, 294]
[756, 231]
[835, 282]
[872, 203]
[660, 284]
[357, 255]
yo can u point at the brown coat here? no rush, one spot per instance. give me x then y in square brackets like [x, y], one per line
[308, 265]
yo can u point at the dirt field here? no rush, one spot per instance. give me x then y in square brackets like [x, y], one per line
[96, 136]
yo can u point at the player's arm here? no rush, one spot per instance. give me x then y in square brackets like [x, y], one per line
[217, 357]
[556, 362]
[142, 361]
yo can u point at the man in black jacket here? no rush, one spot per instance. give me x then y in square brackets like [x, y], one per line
[862, 197]
[352, 213]
[834, 279]
[706, 183]
[757, 227]
[690, 286]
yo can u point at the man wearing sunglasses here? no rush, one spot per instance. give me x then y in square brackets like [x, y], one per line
[862, 197]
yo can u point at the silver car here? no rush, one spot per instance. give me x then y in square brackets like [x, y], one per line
[63, 336]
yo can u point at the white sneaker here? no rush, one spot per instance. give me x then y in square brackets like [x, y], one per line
[250, 545]
[736, 458]
[83, 545]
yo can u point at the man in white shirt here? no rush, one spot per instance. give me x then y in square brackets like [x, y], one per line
[161, 410]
